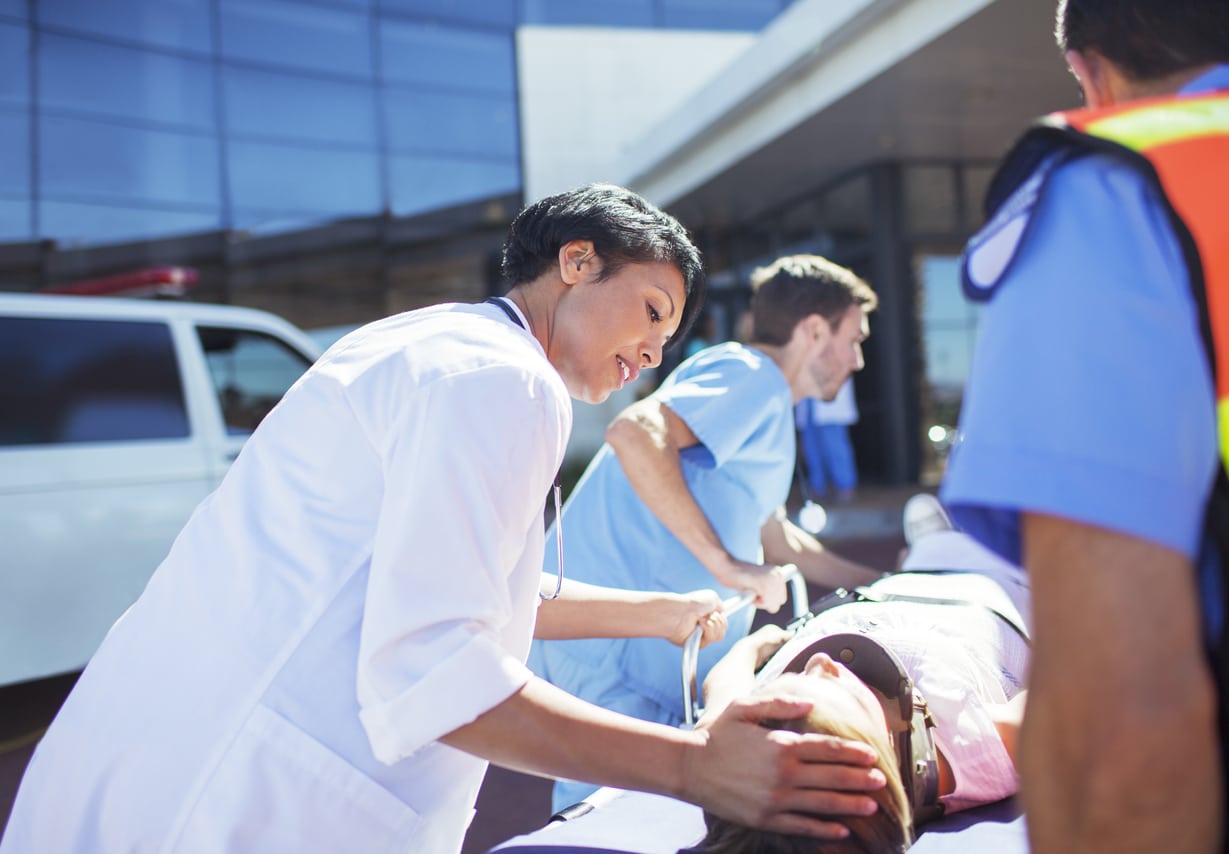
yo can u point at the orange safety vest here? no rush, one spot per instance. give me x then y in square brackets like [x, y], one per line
[1181, 144]
[1186, 142]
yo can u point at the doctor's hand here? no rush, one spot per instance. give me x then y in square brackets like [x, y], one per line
[776, 779]
[766, 581]
[700, 608]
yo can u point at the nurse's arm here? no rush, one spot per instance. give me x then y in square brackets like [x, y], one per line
[648, 438]
[590, 611]
[735, 768]
[1118, 750]
[784, 542]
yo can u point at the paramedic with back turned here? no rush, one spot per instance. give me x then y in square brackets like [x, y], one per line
[1088, 442]
[335, 645]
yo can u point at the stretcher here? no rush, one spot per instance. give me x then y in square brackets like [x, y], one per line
[619, 822]
[614, 821]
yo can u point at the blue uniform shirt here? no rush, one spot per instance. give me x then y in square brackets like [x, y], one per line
[739, 405]
[1090, 396]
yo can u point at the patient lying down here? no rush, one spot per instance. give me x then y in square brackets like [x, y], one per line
[947, 700]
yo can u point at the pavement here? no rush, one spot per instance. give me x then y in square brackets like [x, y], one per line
[866, 529]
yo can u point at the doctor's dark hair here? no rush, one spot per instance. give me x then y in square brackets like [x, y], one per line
[793, 287]
[625, 229]
[1147, 39]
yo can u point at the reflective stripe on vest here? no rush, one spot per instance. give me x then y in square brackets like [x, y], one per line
[1186, 139]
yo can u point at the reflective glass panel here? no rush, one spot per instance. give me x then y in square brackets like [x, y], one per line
[949, 354]
[288, 107]
[78, 223]
[180, 24]
[942, 300]
[250, 372]
[84, 158]
[66, 380]
[626, 13]
[15, 153]
[285, 178]
[720, 14]
[90, 77]
[14, 64]
[263, 221]
[455, 123]
[315, 38]
[448, 57]
[425, 183]
[15, 220]
[13, 8]
[489, 13]
[949, 323]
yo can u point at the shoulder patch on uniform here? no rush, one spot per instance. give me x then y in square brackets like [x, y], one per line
[989, 254]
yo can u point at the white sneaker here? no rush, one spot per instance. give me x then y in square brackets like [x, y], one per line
[924, 515]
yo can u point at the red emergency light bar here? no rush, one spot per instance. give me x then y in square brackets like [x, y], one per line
[152, 281]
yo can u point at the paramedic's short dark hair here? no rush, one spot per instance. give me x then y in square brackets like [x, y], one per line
[1147, 39]
[793, 287]
[624, 228]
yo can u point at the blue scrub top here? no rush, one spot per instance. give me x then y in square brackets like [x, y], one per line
[1090, 396]
[739, 405]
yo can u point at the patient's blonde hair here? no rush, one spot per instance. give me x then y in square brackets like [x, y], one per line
[887, 831]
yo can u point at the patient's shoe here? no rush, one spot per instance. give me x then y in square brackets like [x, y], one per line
[924, 515]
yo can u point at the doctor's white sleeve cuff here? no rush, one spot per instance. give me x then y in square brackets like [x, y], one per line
[475, 678]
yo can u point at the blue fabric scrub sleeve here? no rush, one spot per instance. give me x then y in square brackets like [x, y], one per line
[725, 396]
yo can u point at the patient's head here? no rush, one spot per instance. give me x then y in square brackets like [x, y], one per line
[844, 707]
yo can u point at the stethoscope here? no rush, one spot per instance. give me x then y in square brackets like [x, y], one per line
[507, 309]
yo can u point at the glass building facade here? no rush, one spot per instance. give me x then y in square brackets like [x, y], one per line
[338, 160]
[142, 119]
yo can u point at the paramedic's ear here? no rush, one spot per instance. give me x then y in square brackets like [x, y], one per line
[573, 257]
[1089, 69]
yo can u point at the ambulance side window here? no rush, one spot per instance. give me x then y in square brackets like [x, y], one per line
[67, 380]
[251, 371]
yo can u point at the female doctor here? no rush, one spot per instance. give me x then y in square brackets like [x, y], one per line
[334, 647]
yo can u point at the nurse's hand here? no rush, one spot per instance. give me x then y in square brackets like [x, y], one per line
[779, 780]
[700, 608]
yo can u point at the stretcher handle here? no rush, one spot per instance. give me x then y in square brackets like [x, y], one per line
[691, 649]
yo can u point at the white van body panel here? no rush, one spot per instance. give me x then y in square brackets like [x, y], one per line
[84, 524]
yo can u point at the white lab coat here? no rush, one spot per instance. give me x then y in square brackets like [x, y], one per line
[363, 582]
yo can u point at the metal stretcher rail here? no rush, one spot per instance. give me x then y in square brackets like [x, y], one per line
[691, 649]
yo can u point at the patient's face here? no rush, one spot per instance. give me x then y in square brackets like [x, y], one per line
[837, 692]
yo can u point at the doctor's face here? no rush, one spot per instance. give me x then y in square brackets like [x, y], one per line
[839, 354]
[607, 331]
